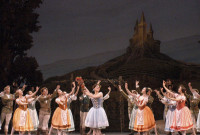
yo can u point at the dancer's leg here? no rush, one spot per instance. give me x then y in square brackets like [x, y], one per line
[59, 132]
[94, 131]
[183, 132]
[89, 132]
[50, 130]
[12, 131]
[193, 130]
[155, 130]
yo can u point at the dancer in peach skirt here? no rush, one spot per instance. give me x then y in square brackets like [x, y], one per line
[61, 116]
[182, 120]
[22, 120]
[144, 120]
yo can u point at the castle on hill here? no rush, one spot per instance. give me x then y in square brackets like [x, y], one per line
[143, 37]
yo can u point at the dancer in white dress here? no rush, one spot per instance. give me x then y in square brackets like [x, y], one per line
[171, 110]
[69, 100]
[32, 110]
[96, 118]
[107, 96]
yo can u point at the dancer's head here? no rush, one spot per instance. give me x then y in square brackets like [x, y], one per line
[134, 91]
[181, 89]
[44, 91]
[19, 92]
[30, 92]
[7, 89]
[96, 87]
[148, 91]
[60, 93]
[144, 90]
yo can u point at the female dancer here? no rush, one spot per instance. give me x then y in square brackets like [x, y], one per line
[96, 118]
[182, 120]
[170, 113]
[32, 110]
[69, 100]
[104, 98]
[144, 120]
[61, 116]
[22, 120]
[135, 107]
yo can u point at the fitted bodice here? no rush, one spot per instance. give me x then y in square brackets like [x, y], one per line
[32, 105]
[97, 102]
[22, 100]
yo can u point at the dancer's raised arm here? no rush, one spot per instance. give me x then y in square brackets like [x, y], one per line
[193, 90]
[168, 90]
[73, 89]
[87, 92]
[108, 94]
[78, 87]
[33, 94]
[128, 91]
[158, 94]
[122, 92]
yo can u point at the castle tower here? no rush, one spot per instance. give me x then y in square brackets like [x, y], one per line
[142, 30]
[150, 32]
[143, 39]
[135, 35]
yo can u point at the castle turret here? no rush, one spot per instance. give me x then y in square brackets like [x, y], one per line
[150, 32]
[142, 30]
[143, 40]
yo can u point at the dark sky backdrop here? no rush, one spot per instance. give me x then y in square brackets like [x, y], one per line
[79, 28]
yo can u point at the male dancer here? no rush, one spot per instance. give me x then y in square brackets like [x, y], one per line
[45, 109]
[7, 109]
[84, 108]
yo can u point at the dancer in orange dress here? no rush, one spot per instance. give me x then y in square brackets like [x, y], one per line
[144, 120]
[182, 120]
[22, 120]
[61, 116]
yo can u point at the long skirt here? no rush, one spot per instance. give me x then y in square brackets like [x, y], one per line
[169, 119]
[22, 120]
[34, 118]
[61, 119]
[132, 119]
[144, 120]
[182, 120]
[96, 118]
[72, 127]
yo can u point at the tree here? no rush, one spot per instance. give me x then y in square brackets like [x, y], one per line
[18, 20]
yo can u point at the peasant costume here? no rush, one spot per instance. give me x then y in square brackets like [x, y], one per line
[144, 120]
[170, 113]
[69, 100]
[182, 119]
[33, 113]
[22, 119]
[96, 117]
[61, 116]
[133, 112]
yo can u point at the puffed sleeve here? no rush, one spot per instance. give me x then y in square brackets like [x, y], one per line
[73, 97]
[107, 96]
[57, 100]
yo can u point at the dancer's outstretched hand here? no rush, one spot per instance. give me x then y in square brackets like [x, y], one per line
[109, 88]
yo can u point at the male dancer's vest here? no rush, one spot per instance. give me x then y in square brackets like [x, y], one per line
[84, 107]
[7, 103]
